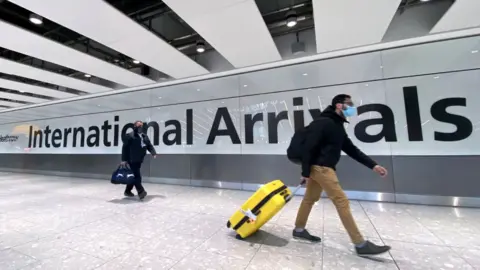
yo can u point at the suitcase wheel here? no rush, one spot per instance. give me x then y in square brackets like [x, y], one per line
[229, 224]
[239, 237]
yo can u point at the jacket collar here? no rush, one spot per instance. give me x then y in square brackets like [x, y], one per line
[330, 113]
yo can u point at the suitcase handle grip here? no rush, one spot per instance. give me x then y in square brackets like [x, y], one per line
[249, 214]
[294, 192]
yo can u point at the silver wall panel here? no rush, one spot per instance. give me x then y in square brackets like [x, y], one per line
[437, 175]
[343, 70]
[451, 55]
[196, 91]
[169, 166]
[356, 177]
[434, 182]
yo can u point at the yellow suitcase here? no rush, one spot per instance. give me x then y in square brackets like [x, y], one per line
[260, 208]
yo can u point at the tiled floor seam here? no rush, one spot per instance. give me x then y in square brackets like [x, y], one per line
[323, 234]
[378, 233]
[255, 254]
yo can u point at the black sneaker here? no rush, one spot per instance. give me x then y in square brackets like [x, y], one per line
[371, 249]
[129, 194]
[306, 236]
[142, 195]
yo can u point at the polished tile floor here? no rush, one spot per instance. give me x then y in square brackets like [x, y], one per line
[70, 223]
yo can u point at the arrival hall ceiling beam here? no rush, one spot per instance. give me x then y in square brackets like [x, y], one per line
[29, 88]
[462, 14]
[342, 24]
[235, 28]
[24, 98]
[10, 104]
[103, 23]
[27, 71]
[17, 39]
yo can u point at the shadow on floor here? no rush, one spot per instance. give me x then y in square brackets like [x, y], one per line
[135, 199]
[265, 238]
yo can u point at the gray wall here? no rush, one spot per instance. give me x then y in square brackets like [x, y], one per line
[437, 176]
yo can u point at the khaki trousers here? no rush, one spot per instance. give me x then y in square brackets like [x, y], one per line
[325, 179]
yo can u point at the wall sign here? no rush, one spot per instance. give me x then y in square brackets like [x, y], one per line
[263, 124]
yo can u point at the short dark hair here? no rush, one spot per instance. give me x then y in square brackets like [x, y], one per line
[340, 99]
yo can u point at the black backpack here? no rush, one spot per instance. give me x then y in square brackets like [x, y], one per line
[295, 149]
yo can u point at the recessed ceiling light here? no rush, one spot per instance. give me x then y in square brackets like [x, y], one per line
[424, 0]
[159, 97]
[245, 85]
[436, 77]
[136, 62]
[291, 19]
[366, 84]
[87, 75]
[305, 74]
[200, 47]
[36, 19]
[475, 51]
[198, 89]
[291, 23]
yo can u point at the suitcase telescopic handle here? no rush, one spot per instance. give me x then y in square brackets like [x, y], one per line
[294, 192]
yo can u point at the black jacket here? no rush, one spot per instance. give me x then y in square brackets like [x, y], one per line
[132, 149]
[326, 138]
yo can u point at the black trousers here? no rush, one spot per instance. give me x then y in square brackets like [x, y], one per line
[135, 167]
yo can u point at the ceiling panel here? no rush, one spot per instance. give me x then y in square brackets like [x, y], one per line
[235, 28]
[110, 27]
[462, 14]
[29, 88]
[28, 43]
[10, 104]
[26, 71]
[342, 24]
[19, 97]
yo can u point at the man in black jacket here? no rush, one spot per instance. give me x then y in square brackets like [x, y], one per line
[325, 139]
[135, 146]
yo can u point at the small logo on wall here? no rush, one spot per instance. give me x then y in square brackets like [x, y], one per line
[8, 138]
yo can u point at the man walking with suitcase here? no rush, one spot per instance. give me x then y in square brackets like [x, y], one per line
[134, 149]
[325, 138]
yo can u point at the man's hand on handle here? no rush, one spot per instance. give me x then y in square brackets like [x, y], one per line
[304, 180]
[380, 170]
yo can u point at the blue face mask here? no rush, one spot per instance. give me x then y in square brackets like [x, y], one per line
[349, 111]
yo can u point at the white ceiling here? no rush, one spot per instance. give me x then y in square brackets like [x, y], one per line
[103, 23]
[22, 41]
[27, 71]
[24, 98]
[462, 14]
[10, 104]
[344, 24]
[33, 89]
[235, 28]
